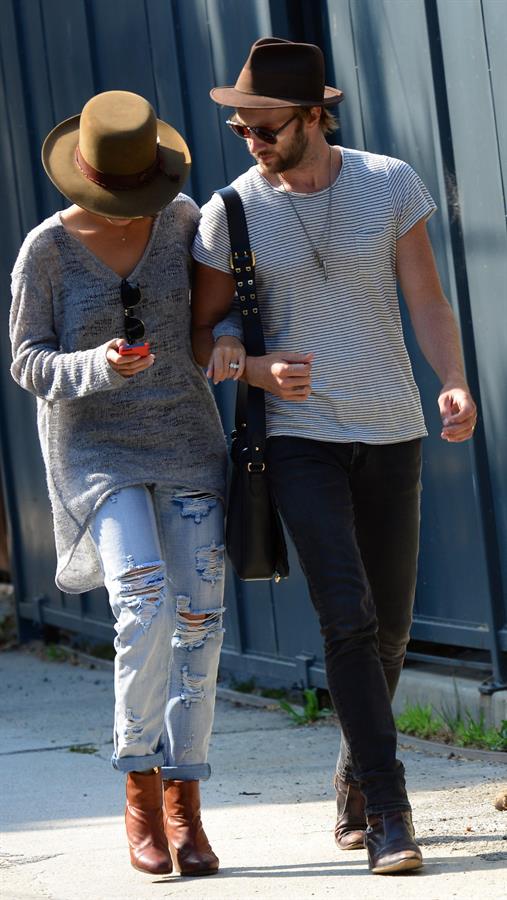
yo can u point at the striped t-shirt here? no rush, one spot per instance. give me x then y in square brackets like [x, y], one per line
[363, 388]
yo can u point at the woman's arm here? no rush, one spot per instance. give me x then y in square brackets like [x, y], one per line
[39, 365]
[212, 294]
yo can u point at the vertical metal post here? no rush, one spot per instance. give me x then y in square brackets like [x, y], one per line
[483, 482]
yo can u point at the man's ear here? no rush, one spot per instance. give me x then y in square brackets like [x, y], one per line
[314, 116]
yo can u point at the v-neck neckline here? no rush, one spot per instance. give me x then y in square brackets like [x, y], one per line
[100, 263]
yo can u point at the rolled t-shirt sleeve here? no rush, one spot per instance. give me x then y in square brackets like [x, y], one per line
[212, 248]
[211, 243]
[410, 197]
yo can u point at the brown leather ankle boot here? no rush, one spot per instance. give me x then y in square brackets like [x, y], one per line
[390, 843]
[351, 819]
[145, 823]
[190, 849]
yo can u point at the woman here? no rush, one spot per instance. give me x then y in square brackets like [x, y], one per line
[133, 447]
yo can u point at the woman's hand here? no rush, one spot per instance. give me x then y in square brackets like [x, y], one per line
[227, 359]
[126, 366]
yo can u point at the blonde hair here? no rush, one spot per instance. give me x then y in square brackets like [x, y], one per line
[328, 123]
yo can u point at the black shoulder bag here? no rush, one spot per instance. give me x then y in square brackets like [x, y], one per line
[254, 536]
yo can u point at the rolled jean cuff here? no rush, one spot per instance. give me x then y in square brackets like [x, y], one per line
[395, 806]
[137, 763]
[199, 772]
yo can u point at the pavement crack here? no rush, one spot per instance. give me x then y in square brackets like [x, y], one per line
[11, 860]
[44, 749]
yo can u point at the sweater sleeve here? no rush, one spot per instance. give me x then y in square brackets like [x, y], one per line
[232, 324]
[39, 365]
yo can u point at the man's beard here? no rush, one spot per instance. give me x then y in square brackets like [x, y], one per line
[292, 156]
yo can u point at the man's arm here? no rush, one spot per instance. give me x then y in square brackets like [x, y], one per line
[288, 375]
[436, 331]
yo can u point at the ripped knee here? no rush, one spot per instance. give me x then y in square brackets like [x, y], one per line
[139, 592]
[192, 688]
[195, 506]
[194, 628]
[210, 562]
[133, 727]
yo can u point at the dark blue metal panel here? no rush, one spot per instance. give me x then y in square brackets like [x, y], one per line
[396, 89]
[424, 80]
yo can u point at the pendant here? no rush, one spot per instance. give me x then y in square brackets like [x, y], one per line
[322, 264]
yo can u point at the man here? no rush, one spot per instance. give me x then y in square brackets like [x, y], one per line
[333, 229]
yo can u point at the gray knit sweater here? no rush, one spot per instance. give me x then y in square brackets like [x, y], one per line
[98, 430]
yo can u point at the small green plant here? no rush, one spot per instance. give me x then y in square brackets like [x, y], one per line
[82, 748]
[244, 687]
[274, 693]
[502, 737]
[420, 721]
[467, 732]
[311, 710]
[102, 651]
[456, 728]
[55, 653]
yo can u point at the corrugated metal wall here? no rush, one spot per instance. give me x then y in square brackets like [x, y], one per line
[424, 80]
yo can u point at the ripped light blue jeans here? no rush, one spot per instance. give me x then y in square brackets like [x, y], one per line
[163, 557]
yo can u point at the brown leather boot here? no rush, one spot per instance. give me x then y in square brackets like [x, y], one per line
[390, 843]
[190, 849]
[351, 820]
[145, 823]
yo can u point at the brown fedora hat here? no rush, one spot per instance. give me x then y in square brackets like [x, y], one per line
[280, 73]
[117, 159]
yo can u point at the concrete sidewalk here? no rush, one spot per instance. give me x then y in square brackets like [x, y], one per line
[269, 806]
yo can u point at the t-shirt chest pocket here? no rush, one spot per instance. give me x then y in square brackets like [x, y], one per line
[372, 238]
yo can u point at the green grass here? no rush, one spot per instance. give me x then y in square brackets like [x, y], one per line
[247, 686]
[82, 748]
[311, 709]
[468, 732]
[420, 721]
[101, 651]
[55, 653]
[274, 693]
[458, 728]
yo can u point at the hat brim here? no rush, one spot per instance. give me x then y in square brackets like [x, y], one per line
[229, 96]
[58, 159]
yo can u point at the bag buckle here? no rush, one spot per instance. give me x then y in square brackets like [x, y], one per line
[242, 260]
[257, 468]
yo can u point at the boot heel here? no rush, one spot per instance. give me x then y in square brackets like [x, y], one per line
[144, 822]
[189, 847]
[390, 843]
[351, 817]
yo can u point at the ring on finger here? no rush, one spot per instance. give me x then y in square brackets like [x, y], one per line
[234, 365]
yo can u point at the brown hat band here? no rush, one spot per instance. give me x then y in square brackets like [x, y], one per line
[118, 182]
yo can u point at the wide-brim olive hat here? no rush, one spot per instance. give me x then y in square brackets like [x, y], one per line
[117, 159]
[279, 73]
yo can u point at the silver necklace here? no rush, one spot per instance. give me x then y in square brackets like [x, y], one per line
[123, 237]
[320, 256]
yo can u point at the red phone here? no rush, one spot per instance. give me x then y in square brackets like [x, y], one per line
[134, 349]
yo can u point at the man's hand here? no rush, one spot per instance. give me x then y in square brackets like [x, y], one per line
[458, 412]
[286, 375]
[227, 359]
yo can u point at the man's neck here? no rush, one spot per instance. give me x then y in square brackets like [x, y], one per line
[315, 172]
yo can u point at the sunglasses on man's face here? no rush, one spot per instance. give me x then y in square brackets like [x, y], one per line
[264, 134]
[130, 297]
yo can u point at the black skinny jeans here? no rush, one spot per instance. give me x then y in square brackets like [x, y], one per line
[352, 511]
